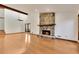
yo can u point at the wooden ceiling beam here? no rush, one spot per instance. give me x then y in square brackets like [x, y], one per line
[4, 6]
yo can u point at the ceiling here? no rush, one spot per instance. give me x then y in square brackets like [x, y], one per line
[46, 7]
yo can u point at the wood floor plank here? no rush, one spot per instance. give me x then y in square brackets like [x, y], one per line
[26, 43]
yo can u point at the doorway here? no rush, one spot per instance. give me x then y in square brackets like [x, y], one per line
[27, 27]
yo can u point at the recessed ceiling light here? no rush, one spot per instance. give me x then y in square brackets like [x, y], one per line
[36, 9]
[48, 9]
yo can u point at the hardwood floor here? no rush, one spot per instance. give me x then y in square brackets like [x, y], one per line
[1, 32]
[26, 43]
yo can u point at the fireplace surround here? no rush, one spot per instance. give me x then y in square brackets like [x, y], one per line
[46, 29]
[47, 23]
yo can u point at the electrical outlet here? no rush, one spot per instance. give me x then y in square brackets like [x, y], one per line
[58, 36]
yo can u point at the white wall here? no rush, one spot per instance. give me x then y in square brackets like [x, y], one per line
[66, 21]
[22, 23]
[65, 28]
[66, 24]
[1, 19]
[34, 20]
[12, 24]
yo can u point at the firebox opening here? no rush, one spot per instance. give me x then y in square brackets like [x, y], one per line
[46, 32]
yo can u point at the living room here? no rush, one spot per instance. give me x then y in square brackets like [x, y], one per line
[40, 24]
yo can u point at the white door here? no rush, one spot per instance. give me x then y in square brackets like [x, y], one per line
[12, 24]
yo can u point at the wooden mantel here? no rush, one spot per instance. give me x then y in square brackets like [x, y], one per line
[48, 25]
[4, 6]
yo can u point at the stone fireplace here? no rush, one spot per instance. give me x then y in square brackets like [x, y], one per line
[47, 30]
[47, 23]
